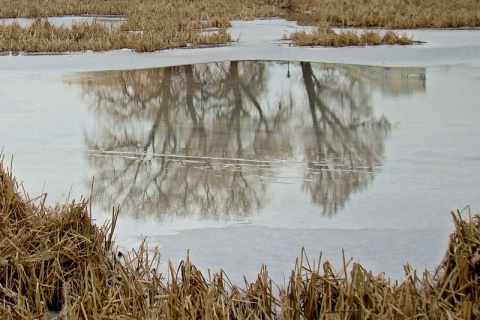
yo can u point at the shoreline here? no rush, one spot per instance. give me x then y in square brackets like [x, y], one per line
[262, 40]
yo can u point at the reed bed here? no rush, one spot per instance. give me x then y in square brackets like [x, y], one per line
[389, 14]
[325, 36]
[46, 8]
[152, 25]
[56, 258]
[42, 36]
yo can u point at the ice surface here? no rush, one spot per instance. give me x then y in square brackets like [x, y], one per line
[431, 161]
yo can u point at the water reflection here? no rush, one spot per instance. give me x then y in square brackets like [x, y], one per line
[391, 81]
[211, 139]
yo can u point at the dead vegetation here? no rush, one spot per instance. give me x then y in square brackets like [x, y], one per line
[325, 36]
[55, 258]
[152, 25]
[388, 14]
[42, 36]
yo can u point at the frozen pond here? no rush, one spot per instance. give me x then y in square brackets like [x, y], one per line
[246, 162]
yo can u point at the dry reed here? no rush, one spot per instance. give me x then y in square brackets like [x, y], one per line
[42, 36]
[152, 25]
[55, 258]
[325, 36]
[390, 14]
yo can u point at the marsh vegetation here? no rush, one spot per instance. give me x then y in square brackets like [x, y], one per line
[55, 258]
[160, 24]
[152, 127]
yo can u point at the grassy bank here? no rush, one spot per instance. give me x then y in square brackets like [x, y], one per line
[55, 258]
[159, 24]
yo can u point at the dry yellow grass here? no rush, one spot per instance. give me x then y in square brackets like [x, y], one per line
[325, 36]
[42, 36]
[55, 258]
[45, 8]
[150, 24]
[388, 14]
[161, 24]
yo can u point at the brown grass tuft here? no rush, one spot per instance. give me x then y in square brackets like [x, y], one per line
[325, 36]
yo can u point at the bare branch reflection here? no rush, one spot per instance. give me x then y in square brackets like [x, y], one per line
[206, 140]
[348, 142]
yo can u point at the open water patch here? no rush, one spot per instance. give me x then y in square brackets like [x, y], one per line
[210, 139]
[278, 151]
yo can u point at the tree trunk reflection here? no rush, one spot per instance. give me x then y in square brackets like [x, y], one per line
[348, 142]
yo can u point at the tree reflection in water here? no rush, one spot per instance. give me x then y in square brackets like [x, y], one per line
[207, 139]
[347, 142]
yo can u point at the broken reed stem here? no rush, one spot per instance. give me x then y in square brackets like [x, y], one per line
[55, 258]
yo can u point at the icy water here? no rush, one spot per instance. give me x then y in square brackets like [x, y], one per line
[225, 141]
[246, 162]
